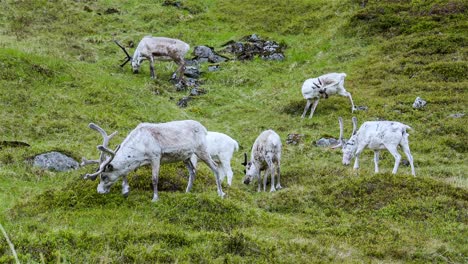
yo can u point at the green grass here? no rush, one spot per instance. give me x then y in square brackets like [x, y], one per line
[59, 71]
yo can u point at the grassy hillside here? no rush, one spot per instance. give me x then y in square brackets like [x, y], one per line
[59, 71]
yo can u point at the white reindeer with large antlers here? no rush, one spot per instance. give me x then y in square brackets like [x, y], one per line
[157, 48]
[323, 86]
[376, 135]
[152, 144]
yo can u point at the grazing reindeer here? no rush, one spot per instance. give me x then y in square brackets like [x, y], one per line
[376, 135]
[323, 86]
[152, 144]
[265, 156]
[157, 48]
[220, 147]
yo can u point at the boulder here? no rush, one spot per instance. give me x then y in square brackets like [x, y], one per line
[55, 161]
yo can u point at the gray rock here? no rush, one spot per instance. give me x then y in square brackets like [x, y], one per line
[361, 108]
[213, 68]
[197, 91]
[274, 56]
[405, 162]
[203, 52]
[217, 58]
[55, 161]
[192, 72]
[457, 115]
[184, 102]
[294, 139]
[253, 38]
[419, 103]
[326, 142]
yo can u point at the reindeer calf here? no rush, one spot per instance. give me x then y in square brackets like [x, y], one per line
[221, 147]
[265, 156]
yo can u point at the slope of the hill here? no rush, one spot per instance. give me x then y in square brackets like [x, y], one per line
[59, 71]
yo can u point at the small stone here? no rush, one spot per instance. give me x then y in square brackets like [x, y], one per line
[294, 139]
[192, 72]
[326, 142]
[183, 102]
[197, 91]
[111, 10]
[457, 115]
[361, 108]
[419, 103]
[213, 68]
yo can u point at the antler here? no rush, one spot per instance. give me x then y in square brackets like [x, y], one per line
[103, 165]
[129, 58]
[103, 162]
[85, 161]
[103, 133]
[245, 159]
[340, 120]
[354, 125]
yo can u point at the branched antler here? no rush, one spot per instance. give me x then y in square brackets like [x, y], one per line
[103, 161]
[129, 58]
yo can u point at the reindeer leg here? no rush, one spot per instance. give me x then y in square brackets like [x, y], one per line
[153, 76]
[272, 183]
[393, 150]
[309, 102]
[278, 185]
[347, 94]
[228, 172]
[155, 166]
[356, 158]
[405, 146]
[271, 169]
[191, 169]
[125, 186]
[259, 181]
[180, 70]
[205, 157]
[376, 161]
[313, 107]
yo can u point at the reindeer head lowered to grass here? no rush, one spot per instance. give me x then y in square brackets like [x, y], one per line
[157, 48]
[152, 144]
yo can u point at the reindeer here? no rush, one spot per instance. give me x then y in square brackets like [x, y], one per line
[265, 156]
[153, 144]
[157, 48]
[376, 135]
[324, 86]
[220, 147]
